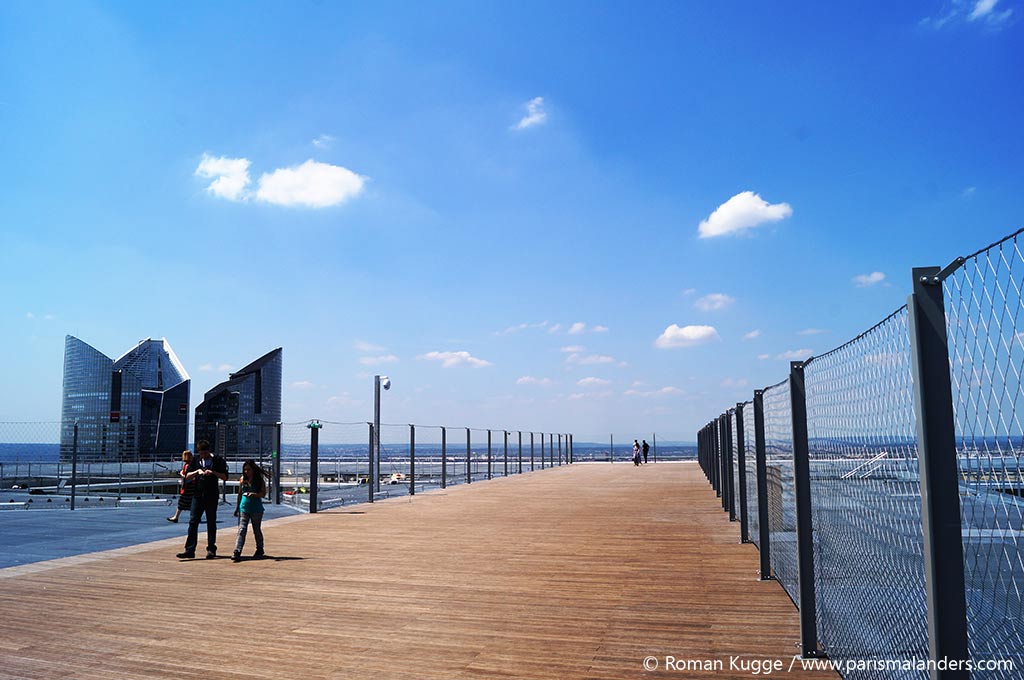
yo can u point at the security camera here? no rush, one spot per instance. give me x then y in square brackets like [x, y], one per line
[385, 382]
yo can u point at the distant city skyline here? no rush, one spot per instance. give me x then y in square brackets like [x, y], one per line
[587, 218]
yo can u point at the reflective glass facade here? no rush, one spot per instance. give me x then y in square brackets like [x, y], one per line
[238, 416]
[133, 407]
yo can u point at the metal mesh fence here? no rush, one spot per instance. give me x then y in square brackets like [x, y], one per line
[734, 436]
[866, 502]
[869, 528]
[394, 459]
[985, 324]
[31, 463]
[753, 517]
[778, 438]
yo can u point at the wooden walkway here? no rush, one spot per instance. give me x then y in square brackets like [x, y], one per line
[575, 572]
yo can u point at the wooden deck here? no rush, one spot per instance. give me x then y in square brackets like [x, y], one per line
[576, 572]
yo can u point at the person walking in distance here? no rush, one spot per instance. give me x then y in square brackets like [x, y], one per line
[207, 471]
[636, 452]
[252, 488]
[646, 447]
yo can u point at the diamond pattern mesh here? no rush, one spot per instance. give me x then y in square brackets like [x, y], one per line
[753, 518]
[778, 440]
[866, 501]
[985, 323]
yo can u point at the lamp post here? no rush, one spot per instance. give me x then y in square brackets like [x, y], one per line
[378, 382]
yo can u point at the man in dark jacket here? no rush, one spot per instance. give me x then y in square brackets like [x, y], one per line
[208, 471]
[646, 447]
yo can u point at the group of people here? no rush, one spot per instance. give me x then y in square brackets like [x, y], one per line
[638, 450]
[199, 493]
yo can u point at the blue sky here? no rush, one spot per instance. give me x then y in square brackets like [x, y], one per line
[441, 191]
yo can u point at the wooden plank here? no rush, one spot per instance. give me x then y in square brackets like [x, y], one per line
[572, 572]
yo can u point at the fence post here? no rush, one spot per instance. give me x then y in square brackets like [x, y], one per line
[720, 445]
[444, 458]
[488, 454]
[741, 463]
[520, 464]
[940, 495]
[74, 465]
[531, 452]
[572, 454]
[804, 525]
[277, 464]
[611, 448]
[314, 463]
[559, 450]
[506, 453]
[469, 470]
[764, 535]
[369, 476]
[654, 445]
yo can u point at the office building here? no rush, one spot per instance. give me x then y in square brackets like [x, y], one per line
[238, 417]
[129, 408]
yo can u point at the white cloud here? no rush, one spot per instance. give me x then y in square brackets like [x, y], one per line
[812, 331]
[599, 329]
[593, 382]
[324, 141]
[752, 335]
[343, 400]
[866, 280]
[590, 395]
[589, 360]
[794, 355]
[574, 349]
[522, 327]
[689, 291]
[713, 302]
[686, 336]
[530, 380]
[223, 368]
[29, 315]
[554, 329]
[230, 176]
[535, 114]
[663, 392]
[50, 317]
[303, 385]
[743, 211]
[378, 360]
[972, 11]
[762, 357]
[578, 328]
[311, 185]
[453, 359]
[734, 382]
[361, 346]
[985, 9]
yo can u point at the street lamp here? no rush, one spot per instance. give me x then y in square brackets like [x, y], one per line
[378, 382]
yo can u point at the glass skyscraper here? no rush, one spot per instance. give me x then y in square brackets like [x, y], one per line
[132, 407]
[239, 415]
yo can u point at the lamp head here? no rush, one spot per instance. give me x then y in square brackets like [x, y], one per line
[385, 382]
